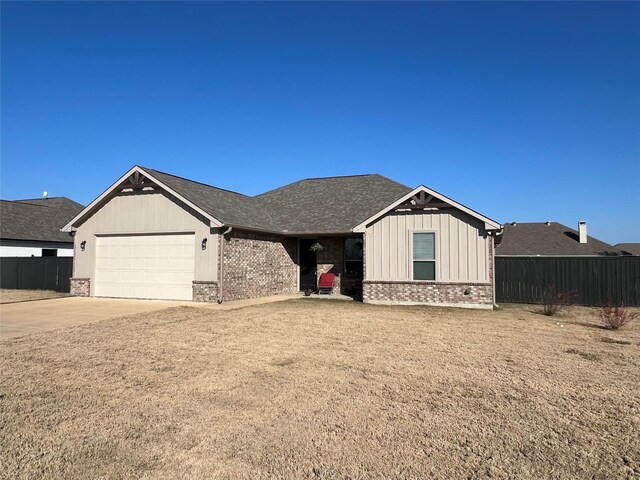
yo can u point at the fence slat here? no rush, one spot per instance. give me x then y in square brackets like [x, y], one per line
[597, 280]
[36, 273]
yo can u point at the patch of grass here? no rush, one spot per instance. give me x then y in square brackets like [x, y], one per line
[321, 389]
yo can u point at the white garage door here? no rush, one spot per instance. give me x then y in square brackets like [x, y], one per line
[145, 266]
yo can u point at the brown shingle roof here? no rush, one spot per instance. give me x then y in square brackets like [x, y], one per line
[314, 205]
[630, 248]
[230, 208]
[549, 238]
[37, 219]
[332, 204]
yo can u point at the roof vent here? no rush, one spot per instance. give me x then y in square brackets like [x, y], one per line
[45, 194]
[582, 231]
[547, 223]
[513, 223]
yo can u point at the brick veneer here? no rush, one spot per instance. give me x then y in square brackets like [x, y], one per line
[331, 259]
[258, 265]
[479, 294]
[204, 291]
[80, 287]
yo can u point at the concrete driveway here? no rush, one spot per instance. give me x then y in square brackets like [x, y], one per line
[23, 318]
[17, 319]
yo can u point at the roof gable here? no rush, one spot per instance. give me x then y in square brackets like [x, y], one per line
[123, 182]
[426, 195]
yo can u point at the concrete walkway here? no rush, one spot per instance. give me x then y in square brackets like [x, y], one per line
[24, 318]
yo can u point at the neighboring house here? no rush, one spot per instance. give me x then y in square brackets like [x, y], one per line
[547, 239]
[629, 248]
[535, 262]
[31, 228]
[156, 235]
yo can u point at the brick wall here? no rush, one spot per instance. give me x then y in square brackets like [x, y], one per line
[462, 294]
[204, 291]
[331, 259]
[258, 265]
[80, 287]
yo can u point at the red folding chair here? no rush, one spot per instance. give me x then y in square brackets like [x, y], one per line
[325, 285]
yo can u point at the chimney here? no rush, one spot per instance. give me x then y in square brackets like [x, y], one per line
[582, 230]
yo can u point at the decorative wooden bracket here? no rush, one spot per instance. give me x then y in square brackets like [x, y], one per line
[421, 201]
[137, 181]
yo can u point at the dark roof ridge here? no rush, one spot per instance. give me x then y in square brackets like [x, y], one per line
[332, 177]
[529, 223]
[194, 181]
[336, 176]
[286, 185]
[349, 176]
[392, 180]
[25, 200]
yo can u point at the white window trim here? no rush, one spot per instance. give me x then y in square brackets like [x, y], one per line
[436, 255]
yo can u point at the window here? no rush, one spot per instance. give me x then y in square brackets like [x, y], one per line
[424, 256]
[353, 257]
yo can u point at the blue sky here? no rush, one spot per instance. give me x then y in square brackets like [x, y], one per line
[523, 111]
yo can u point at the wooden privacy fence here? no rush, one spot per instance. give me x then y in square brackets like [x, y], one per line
[597, 280]
[36, 273]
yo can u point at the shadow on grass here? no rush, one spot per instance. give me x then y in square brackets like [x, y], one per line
[591, 325]
[617, 342]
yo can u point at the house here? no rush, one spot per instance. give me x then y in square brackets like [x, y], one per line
[629, 248]
[31, 228]
[155, 235]
[546, 239]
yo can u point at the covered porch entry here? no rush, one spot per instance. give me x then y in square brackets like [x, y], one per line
[340, 255]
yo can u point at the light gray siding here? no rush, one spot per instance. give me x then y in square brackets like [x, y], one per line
[462, 246]
[146, 213]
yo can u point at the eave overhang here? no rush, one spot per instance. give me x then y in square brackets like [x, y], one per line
[120, 183]
[489, 224]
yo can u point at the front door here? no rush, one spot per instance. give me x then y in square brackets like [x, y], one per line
[308, 264]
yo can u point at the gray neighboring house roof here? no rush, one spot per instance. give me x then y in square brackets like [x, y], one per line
[549, 239]
[314, 206]
[630, 248]
[37, 219]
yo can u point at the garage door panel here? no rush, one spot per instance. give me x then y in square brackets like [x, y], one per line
[145, 266]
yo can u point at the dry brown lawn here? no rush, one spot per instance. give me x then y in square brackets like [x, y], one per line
[319, 389]
[9, 295]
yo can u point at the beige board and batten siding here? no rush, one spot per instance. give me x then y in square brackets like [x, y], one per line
[462, 246]
[146, 213]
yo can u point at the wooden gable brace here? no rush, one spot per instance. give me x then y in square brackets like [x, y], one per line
[138, 181]
[423, 200]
